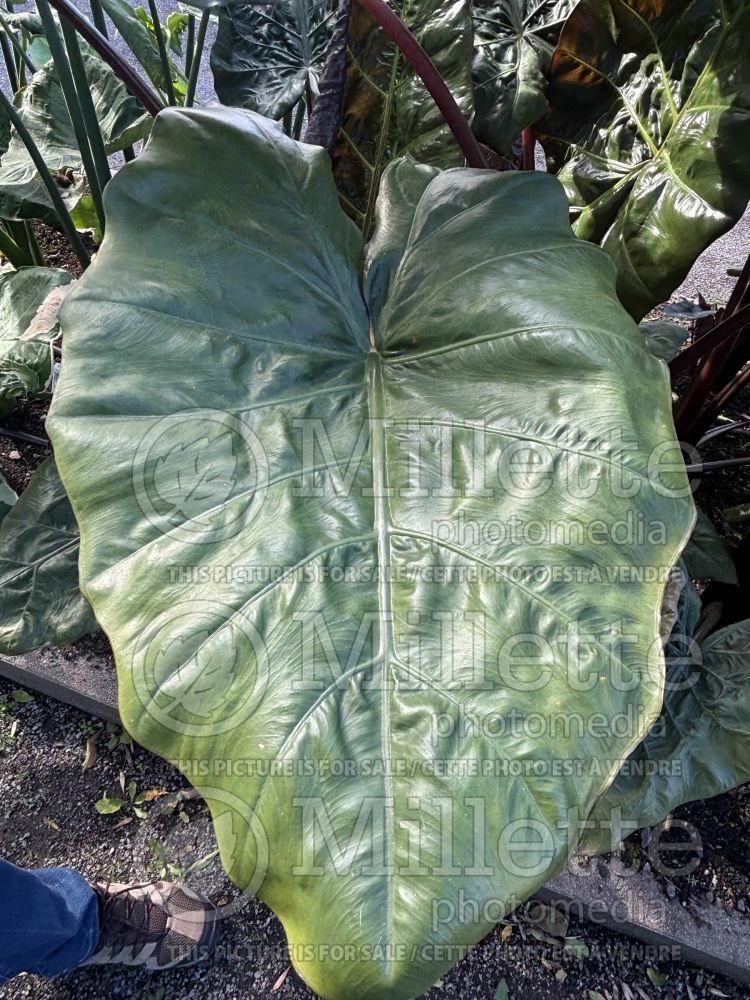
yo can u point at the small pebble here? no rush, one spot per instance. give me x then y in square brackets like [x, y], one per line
[710, 897]
[15, 456]
[741, 905]
[671, 891]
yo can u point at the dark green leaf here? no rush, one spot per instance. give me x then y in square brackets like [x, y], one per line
[706, 556]
[24, 365]
[501, 993]
[513, 45]
[657, 978]
[264, 53]
[664, 339]
[387, 110]
[576, 947]
[22, 696]
[696, 749]
[40, 602]
[495, 322]
[648, 127]
[680, 611]
[7, 497]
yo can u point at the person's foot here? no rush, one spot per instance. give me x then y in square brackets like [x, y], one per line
[160, 925]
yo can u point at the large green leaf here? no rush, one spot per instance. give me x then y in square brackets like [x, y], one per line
[265, 54]
[24, 364]
[296, 511]
[387, 111]
[513, 45]
[663, 338]
[648, 127]
[699, 746]
[144, 46]
[40, 601]
[7, 497]
[706, 555]
[42, 107]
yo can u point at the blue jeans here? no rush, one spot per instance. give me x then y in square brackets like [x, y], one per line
[49, 920]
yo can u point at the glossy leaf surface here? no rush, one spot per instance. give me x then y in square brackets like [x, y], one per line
[513, 45]
[265, 54]
[40, 601]
[44, 112]
[698, 747]
[24, 365]
[295, 507]
[648, 127]
[387, 112]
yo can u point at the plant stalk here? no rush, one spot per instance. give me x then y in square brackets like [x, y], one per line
[17, 255]
[423, 66]
[10, 62]
[528, 142]
[197, 56]
[189, 44]
[36, 252]
[88, 110]
[23, 236]
[724, 329]
[74, 105]
[147, 98]
[163, 55]
[99, 20]
[57, 200]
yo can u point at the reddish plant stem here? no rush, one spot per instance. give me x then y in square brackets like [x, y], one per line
[102, 45]
[423, 66]
[725, 328]
[528, 142]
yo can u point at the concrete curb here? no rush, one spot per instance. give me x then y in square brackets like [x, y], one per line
[76, 681]
[632, 902]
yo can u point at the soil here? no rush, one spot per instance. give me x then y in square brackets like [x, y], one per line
[56, 248]
[19, 459]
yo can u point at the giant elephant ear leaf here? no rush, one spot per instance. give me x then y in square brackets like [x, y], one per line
[648, 125]
[44, 112]
[387, 112]
[297, 509]
[698, 746]
[24, 364]
[267, 55]
[513, 45]
[40, 600]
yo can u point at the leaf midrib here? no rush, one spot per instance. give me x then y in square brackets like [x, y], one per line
[382, 524]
